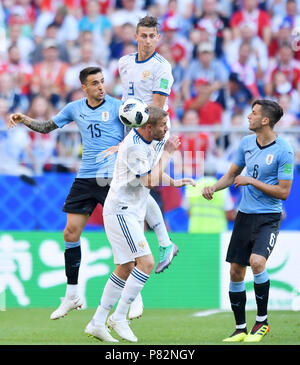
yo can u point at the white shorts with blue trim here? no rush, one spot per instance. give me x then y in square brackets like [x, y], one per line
[126, 236]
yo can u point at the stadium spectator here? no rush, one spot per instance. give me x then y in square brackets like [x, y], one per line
[192, 144]
[210, 112]
[258, 58]
[250, 13]
[247, 72]
[286, 63]
[289, 118]
[19, 70]
[290, 17]
[176, 96]
[96, 23]
[10, 90]
[119, 42]
[205, 67]
[48, 75]
[238, 99]
[215, 24]
[170, 36]
[51, 33]
[67, 23]
[14, 147]
[87, 59]
[42, 147]
[130, 12]
[284, 35]
[183, 13]
[25, 44]
[282, 86]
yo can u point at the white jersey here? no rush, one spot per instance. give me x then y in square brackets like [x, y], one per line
[142, 79]
[127, 195]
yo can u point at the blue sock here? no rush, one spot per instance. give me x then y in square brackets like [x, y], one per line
[261, 278]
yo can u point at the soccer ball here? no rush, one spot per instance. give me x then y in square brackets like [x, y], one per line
[134, 112]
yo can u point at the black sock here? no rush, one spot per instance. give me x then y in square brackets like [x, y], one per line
[72, 263]
[262, 297]
[238, 306]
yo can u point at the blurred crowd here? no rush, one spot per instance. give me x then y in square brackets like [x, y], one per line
[224, 55]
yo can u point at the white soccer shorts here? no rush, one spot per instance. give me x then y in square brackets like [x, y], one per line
[126, 236]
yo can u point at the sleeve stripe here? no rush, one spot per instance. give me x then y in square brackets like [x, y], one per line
[145, 174]
[160, 93]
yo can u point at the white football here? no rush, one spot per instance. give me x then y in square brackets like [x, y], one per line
[134, 112]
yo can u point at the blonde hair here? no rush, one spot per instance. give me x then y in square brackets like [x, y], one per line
[156, 114]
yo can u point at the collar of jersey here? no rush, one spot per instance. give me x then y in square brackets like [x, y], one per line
[141, 136]
[136, 58]
[94, 107]
[266, 146]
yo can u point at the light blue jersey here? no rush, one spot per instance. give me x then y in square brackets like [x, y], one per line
[100, 128]
[268, 164]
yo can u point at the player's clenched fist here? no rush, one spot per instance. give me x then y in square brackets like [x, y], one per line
[208, 192]
[14, 119]
[172, 144]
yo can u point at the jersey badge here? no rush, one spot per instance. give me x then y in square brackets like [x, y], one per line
[105, 116]
[142, 244]
[146, 74]
[164, 84]
[269, 159]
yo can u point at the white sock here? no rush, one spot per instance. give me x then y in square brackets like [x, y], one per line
[155, 220]
[72, 291]
[134, 285]
[261, 318]
[109, 298]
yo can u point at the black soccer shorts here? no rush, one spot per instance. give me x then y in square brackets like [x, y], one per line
[84, 195]
[253, 233]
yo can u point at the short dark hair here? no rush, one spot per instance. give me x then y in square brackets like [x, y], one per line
[269, 109]
[88, 71]
[148, 21]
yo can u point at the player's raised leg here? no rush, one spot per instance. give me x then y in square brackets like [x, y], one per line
[167, 250]
[155, 220]
[72, 233]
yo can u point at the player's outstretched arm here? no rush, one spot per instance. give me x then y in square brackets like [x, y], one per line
[111, 150]
[178, 183]
[223, 183]
[34, 124]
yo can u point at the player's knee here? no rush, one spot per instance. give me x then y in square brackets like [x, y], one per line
[257, 263]
[146, 264]
[236, 273]
[124, 270]
[71, 233]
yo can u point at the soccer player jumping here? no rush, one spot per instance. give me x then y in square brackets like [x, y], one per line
[269, 163]
[97, 117]
[136, 171]
[148, 76]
